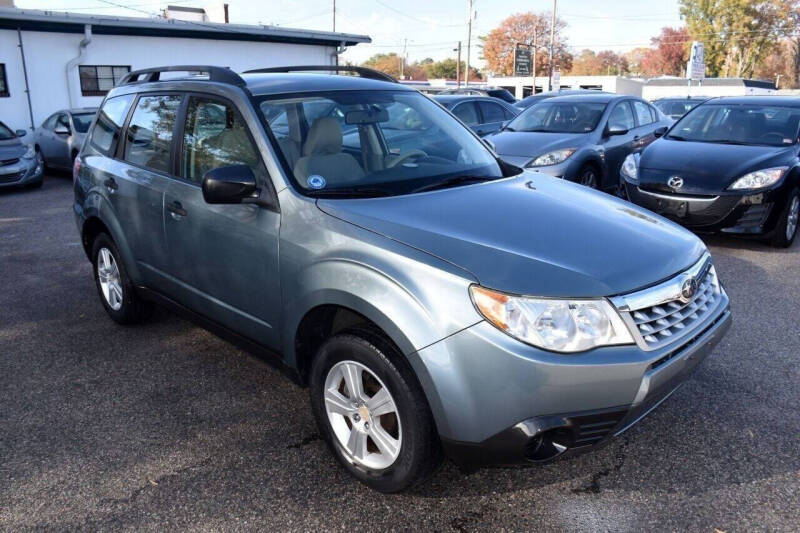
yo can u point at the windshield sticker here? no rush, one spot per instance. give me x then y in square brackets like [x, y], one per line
[315, 181]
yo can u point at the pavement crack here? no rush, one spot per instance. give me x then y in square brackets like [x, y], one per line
[131, 498]
[305, 441]
[593, 487]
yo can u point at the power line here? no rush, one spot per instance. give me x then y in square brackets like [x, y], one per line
[412, 17]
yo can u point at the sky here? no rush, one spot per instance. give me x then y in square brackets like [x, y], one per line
[431, 27]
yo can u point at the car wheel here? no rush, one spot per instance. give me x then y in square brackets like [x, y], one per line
[41, 157]
[588, 176]
[372, 412]
[114, 286]
[786, 230]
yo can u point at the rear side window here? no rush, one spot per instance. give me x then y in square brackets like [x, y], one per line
[467, 113]
[621, 117]
[644, 115]
[110, 118]
[491, 112]
[215, 136]
[149, 137]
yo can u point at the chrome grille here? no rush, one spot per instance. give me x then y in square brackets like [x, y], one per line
[6, 162]
[662, 315]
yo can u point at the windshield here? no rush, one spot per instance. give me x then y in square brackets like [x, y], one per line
[559, 117]
[82, 121]
[375, 143]
[5, 133]
[739, 124]
[676, 108]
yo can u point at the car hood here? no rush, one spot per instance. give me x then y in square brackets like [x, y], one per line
[534, 144]
[533, 235]
[705, 167]
[11, 148]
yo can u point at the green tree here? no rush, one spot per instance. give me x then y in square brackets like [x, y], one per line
[738, 34]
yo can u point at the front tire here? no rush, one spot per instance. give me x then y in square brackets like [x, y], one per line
[786, 229]
[116, 290]
[372, 413]
[589, 177]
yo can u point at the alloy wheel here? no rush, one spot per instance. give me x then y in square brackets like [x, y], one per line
[794, 215]
[108, 275]
[588, 178]
[363, 415]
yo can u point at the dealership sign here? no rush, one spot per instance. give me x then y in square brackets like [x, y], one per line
[696, 67]
[522, 60]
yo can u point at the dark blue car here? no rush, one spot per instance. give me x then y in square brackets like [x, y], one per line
[729, 165]
[582, 138]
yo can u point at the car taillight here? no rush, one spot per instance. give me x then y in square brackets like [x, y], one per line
[76, 168]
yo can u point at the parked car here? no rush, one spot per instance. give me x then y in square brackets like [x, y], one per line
[61, 135]
[534, 99]
[582, 138]
[19, 163]
[494, 92]
[433, 298]
[483, 114]
[675, 108]
[729, 165]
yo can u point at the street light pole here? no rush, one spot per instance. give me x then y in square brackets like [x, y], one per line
[403, 59]
[552, 39]
[458, 65]
[469, 40]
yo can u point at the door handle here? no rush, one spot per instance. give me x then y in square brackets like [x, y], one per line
[176, 209]
[111, 185]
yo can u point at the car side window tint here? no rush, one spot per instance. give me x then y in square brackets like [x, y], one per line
[621, 117]
[643, 114]
[149, 137]
[215, 135]
[491, 112]
[63, 121]
[50, 122]
[467, 113]
[109, 122]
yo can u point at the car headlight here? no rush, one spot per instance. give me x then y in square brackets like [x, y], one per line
[553, 324]
[30, 153]
[630, 167]
[759, 179]
[552, 158]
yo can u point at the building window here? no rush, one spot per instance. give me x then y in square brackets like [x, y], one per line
[97, 80]
[3, 81]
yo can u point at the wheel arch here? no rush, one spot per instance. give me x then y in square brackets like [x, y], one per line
[98, 218]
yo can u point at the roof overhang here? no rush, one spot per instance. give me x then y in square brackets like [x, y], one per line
[59, 22]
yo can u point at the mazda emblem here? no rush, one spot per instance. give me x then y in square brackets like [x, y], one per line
[688, 289]
[676, 182]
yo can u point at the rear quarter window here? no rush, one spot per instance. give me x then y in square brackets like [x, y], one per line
[105, 134]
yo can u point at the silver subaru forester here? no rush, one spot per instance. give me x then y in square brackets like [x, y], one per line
[434, 299]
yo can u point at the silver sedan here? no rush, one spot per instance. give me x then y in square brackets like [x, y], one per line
[60, 137]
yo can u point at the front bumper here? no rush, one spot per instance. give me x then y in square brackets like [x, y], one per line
[752, 214]
[22, 172]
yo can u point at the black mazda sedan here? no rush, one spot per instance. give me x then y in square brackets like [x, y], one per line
[729, 165]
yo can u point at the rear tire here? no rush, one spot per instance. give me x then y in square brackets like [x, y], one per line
[114, 286]
[413, 452]
[786, 229]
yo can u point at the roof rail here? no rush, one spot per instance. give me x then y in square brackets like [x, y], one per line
[219, 74]
[364, 72]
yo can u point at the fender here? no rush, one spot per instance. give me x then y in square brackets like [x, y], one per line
[97, 206]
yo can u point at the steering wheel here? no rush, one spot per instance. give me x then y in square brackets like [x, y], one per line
[402, 157]
[777, 134]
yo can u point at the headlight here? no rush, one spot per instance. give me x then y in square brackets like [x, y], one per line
[630, 167]
[552, 158]
[30, 153]
[758, 179]
[553, 324]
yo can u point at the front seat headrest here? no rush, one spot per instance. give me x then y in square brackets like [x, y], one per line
[324, 138]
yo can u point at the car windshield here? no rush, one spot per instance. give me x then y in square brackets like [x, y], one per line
[676, 108]
[82, 121]
[373, 143]
[559, 117]
[6, 133]
[766, 125]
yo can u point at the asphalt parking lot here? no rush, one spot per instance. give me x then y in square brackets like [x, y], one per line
[164, 425]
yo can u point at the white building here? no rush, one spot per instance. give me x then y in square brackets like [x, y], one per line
[521, 87]
[51, 61]
[671, 87]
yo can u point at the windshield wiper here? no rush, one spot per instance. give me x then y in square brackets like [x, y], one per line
[507, 128]
[451, 182]
[676, 138]
[352, 192]
[727, 141]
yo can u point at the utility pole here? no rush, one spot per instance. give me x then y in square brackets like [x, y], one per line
[403, 59]
[458, 65]
[552, 39]
[470, 16]
[334, 15]
[533, 69]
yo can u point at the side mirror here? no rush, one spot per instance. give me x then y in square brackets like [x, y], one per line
[659, 132]
[61, 130]
[234, 184]
[21, 133]
[616, 130]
